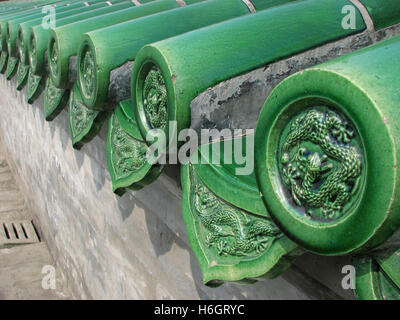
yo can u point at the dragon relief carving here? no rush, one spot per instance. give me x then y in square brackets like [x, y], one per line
[52, 97]
[155, 100]
[34, 84]
[321, 163]
[52, 94]
[81, 116]
[232, 231]
[128, 154]
[11, 65]
[22, 73]
[88, 72]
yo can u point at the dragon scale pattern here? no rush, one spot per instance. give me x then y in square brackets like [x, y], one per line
[88, 72]
[128, 154]
[81, 115]
[155, 99]
[231, 231]
[305, 169]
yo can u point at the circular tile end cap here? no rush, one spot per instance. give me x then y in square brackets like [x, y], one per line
[326, 164]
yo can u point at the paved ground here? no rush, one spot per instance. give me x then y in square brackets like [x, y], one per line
[21, 265]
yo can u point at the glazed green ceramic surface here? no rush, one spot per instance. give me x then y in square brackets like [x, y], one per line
[55, 100]
[84, 124]
[15, 8]
[118, 42]
[321, 162]
[12, 28]
[65, 40]
[238, 46]
[127, 38]
[39, 38]
[25, 28]
[327, 150]
[377, 276]
[12, 66]
[126, 152]
[112, 47]
[20, 14]
[35, 87]
[155, 103]
[232, 240]
[12, 8]
[389, 261]
[221, 175]
[383, 13]
[266, 4]
[22, 76]
[3, 61]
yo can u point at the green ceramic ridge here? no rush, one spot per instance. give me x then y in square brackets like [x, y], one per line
[112, 49]
[290, 29]
[4, 22]
[64, 40]
[12, 25]
[25, 28]
[383, 13]
[39, 37]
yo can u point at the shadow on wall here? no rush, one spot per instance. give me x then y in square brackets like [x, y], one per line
[125, 205]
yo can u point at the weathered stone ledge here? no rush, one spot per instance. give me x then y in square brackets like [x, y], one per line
[236, 103]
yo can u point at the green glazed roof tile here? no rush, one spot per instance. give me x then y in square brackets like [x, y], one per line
[12, 66]
[231, 243]
[235, 47]
[106, 49]
[35, 86]
[389, 261]
[84, 124]
[25, 28]
[54, 101]
[327, 152]
[22, 76]
[242, 191]
[384, 13]
[40, 37]
[266, 4]
[377, 276]
[126, 153]
[65, 40]
[12, 27]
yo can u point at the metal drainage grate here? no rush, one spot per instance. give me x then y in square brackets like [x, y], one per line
[17, 232]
